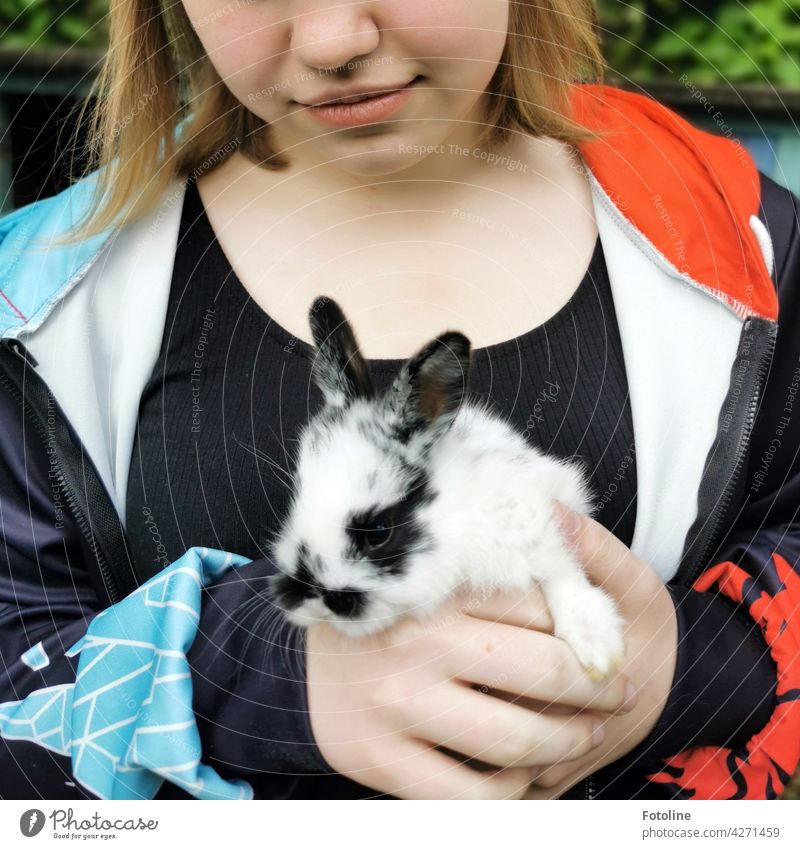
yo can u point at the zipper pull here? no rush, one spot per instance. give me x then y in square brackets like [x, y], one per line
[17, 348]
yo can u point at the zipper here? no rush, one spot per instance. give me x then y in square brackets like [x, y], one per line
[708, 536]
[75, 477]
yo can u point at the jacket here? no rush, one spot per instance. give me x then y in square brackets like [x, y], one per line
[703, 256]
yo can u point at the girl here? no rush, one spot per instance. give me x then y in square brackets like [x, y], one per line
[620, 275]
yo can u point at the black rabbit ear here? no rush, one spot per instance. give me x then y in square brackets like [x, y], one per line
[338, 369]
[427, 393]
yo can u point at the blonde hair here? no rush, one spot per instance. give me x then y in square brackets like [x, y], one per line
[156, 74]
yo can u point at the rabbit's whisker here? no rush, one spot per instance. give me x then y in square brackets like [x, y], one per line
[285, 476]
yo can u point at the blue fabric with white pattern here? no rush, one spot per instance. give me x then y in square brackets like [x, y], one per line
[127, 721]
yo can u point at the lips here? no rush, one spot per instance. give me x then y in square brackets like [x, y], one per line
[359, 108]
[357, 98]
[331, 99]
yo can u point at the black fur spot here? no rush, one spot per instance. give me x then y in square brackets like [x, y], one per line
[431, 386]
[292, 590]
[347, 602]
[338, 366]
[409, 534]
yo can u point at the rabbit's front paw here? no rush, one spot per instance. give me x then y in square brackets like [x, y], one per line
[587, 620]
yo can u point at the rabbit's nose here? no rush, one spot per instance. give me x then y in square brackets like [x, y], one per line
[345, 602]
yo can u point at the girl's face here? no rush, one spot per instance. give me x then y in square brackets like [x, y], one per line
[278, 58]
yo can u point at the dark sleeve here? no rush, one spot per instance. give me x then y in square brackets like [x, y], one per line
[49, 595]
[723, 690]
[248, 672]
[46, 600]
[755, 574]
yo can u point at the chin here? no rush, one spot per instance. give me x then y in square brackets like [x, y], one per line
[302, 620]
[377, 163]
[360, 627]
[310, 612]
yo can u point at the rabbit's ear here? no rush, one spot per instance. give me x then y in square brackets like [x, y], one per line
[429, 389]
[338, 369]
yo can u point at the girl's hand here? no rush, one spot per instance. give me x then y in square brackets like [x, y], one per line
[380, 705]
[651, 647]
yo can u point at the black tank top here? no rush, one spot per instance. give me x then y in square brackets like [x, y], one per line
[221, 412]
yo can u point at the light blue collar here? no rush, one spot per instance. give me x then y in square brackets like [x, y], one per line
[33, 275]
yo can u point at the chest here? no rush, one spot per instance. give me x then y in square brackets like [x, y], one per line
[491, 268]
[232, 423]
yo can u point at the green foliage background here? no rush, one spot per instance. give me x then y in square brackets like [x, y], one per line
[711, 42]
[43, 24]
[646, 40]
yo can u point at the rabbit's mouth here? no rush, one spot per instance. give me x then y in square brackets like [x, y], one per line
[303, 596]
[356, 613]
[314, 610]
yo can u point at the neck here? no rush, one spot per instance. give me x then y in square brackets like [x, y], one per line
[403, 173]
[438, 176]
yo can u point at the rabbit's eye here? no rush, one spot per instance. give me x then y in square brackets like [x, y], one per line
[378, 536]
[371, 531]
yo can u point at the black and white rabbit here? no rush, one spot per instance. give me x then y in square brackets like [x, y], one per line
[401, 499]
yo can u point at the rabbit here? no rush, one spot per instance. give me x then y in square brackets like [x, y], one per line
[400, 500]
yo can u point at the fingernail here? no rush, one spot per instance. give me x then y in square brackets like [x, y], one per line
[568, 521]
[630, 697]
[598, 733]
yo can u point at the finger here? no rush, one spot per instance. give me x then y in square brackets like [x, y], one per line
[539, 666]
[416, 771]
[498, 732]
[549, 709]
[552, 776]
[539, 793]
[551, 782]
[525, 610]
[608, 562]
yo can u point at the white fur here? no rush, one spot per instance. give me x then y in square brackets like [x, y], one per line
[491, 522]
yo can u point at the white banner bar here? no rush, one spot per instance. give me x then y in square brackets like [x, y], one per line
[419, 825]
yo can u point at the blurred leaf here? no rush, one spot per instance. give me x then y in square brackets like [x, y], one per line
[786, 69]
[730, 40]
[671, 46]
[46, 24]
[71, 31]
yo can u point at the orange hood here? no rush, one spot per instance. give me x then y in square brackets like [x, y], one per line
[689, 192]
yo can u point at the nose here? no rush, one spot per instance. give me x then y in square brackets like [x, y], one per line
[329, 35]
[290, 591]
[347, 602]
